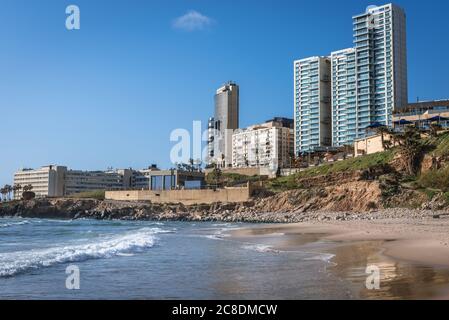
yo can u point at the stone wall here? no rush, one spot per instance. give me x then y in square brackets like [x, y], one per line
[186, 197]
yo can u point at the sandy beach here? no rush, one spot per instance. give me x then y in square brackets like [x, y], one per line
[412, 254]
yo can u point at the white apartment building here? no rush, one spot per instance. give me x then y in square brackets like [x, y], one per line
[267, 145]
[312, 99]
[47, 181]
[369, 81]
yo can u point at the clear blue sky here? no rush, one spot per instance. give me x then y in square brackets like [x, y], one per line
[111, 93]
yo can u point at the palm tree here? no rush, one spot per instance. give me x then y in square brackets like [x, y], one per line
[4, 192]
[8, 190]
[16, 189]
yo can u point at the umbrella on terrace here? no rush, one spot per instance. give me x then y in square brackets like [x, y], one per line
[402, 122]
[437, 119]
[375, 125]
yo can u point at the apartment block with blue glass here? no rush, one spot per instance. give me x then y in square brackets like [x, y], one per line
[312, 96]
[369, 81]
[380, 41]
[345, 124]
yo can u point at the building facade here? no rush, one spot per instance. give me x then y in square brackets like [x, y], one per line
[223, 124]
[368, 81]
[58, 181]
[268, 145]
[380, 40]
[47, 181]
[344, 97]
[76, 181]
[176, 180]
[312, 98]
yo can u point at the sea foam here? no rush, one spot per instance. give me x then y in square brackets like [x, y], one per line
[12, 263]
[12, 224]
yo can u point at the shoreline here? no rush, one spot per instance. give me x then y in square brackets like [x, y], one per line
[412, 255]
[412, 240]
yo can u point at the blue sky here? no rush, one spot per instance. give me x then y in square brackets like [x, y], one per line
[111, 93]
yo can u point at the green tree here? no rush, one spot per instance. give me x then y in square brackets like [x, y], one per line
[16, 190]
[27, 188]
[410, 148]
[385, 131]
[4, 192]
[8, 190]
[217, 174]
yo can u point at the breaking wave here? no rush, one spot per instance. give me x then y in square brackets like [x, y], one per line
[12, 263]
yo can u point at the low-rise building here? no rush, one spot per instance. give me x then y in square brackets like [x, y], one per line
[421, 114]
[270, 144]
[76, 181]
[58, 181]
[372, 144]
[175, 179]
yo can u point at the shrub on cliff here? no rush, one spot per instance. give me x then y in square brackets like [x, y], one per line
[436, 179]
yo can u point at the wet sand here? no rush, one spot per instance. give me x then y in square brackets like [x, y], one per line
[412, 255]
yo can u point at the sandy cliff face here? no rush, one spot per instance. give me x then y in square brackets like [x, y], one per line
[347, 196]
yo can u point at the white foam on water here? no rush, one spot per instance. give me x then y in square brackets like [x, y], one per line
[221, 234]
[12, 263]
[12, 224]
[326, 257]
[260, 248]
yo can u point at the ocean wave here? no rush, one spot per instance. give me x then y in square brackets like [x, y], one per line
[12, 224]
[12, 263]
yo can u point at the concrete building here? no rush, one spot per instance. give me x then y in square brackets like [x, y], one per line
[77, 181]
[58, 181]
[371, 144]
[312, 99]
[270, 145]
[47, 181]
[141, 179]
[223, 124]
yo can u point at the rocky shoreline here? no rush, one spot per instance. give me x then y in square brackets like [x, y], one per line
[250, 211]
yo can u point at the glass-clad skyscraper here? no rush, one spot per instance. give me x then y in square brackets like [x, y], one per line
[380, 42]
[345, 121]
[368, 81]
[312, 96]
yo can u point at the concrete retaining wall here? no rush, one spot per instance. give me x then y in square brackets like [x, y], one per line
[186, 197]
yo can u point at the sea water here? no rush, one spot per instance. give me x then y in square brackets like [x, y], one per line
[154, 260]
